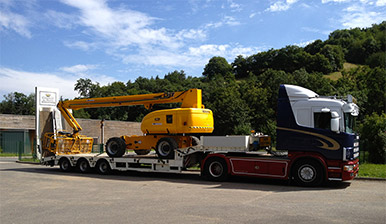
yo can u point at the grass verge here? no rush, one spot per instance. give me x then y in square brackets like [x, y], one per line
[372, 170]
[29, 160]
[8, 154]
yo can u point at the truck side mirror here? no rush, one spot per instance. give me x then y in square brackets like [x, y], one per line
[335, 121]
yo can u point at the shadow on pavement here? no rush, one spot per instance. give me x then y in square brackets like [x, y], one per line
[190, 177]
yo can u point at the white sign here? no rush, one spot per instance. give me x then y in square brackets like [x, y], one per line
[48, 98]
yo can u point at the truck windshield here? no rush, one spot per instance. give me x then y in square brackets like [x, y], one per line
[349, 123]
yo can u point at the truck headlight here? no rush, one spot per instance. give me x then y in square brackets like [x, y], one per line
[348, 168]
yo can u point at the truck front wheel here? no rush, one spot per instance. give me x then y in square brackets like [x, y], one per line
[165, 148]
[215, 169]
[308, 173]
[115, 147]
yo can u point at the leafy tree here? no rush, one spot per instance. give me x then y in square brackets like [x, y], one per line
[240, 67]
[229, 110]
[376, 60]
[314, 47]
[376, 87]
[373, 137]
[218, 67]
[18, 103]
[335, 56]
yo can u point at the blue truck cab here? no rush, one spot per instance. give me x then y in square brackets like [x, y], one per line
[309, 124]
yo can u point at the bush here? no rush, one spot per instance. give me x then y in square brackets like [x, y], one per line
[373, 137]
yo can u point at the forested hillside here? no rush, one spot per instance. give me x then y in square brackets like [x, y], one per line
[243, 94]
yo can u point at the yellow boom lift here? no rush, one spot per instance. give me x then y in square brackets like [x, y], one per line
[163, 130]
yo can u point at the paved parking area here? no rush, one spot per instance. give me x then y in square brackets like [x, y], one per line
[39, 194]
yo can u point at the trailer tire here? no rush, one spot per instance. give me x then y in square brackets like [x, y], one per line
[308, 173]
[165, 148]
[103, 167]
[83, 166]
[115, 147]
[65, 165]
[215, 169]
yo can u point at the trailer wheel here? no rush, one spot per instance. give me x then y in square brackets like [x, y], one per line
[115, 147]
[215, 169]
[165, 148]
[83, 166]
[103, 167]
[65, 165]
[142, 152]
[308, 173]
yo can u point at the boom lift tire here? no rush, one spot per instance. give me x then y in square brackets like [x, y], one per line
[308, 173]
[82, 166]
[165, 148]
[103, 167]
[65, 165]
[215, 169]
[115, 147]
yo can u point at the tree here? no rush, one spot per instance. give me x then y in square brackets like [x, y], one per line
[376, 60]
[218, 67]
[373, 137]
[335, 56]
[86, 88]
[18, 103]
[376, 83]
[239, 67]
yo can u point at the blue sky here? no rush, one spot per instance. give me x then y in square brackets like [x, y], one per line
[53, 43]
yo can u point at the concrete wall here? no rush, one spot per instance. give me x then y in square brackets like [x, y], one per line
[91, 128]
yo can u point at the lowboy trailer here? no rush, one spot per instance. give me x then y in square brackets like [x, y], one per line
[315, 140]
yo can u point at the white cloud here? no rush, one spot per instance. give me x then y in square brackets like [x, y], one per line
[337, 1]
[121, 27]
[78, 69]
[360, 16]
[234, 6]
[304, 43]
[81, 45]
[281, 6]
[381, 3]
[12, 80]
[14, 22]
[60, 19]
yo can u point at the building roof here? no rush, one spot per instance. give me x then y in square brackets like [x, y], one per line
[17, 122]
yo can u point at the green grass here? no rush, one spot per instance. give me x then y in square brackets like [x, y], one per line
[337, 75]
[29, 160]
[6, 154]
[372, 170]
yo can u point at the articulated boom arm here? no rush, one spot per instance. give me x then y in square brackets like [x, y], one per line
[190, 99]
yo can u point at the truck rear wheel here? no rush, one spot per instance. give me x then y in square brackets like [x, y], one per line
[308, 173]
[215, 169]
[103, 167]
[115, 147]
[83, 166]
[65, 165]
[165, 148]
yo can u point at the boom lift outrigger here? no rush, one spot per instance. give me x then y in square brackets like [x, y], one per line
[163, 130]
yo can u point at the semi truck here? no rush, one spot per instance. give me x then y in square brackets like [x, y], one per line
[315, 143]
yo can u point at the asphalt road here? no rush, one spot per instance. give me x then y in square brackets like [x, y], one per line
[39, 194]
